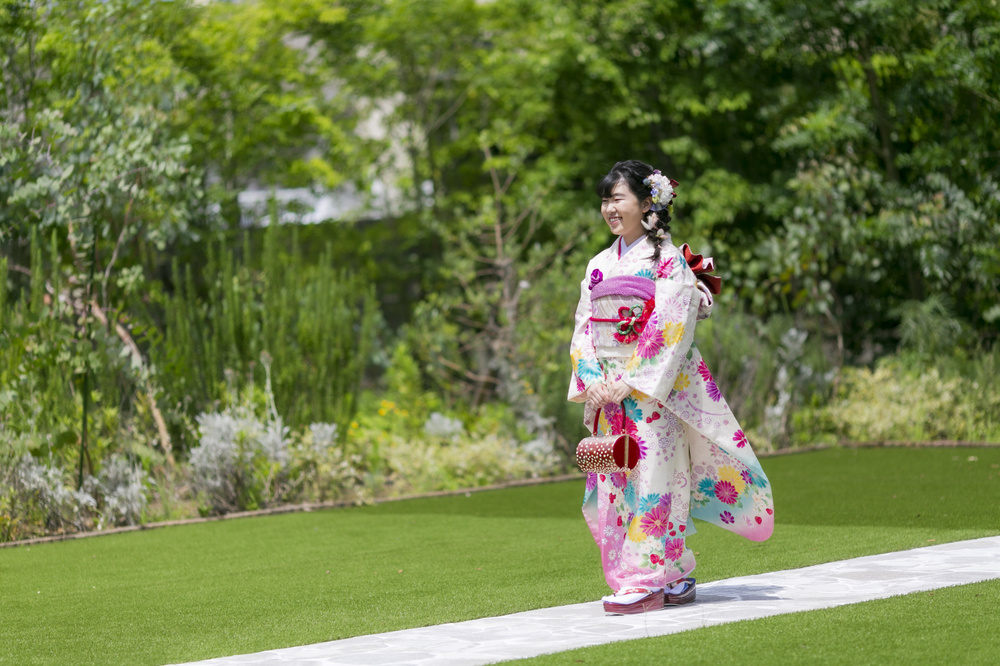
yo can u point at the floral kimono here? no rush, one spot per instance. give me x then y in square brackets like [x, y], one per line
[635, 322]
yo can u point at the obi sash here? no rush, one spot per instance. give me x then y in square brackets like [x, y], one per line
[626, 302]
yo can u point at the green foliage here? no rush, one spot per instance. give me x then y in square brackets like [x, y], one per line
[248, 459]
[886, 182]
[37, 498]
[90, 165]
[838, 161]
[252, 100]
[116, 119]
[469, 91]
[317, 323]
[928, 329]
[45, 353]
[411, 442]
[905, 399]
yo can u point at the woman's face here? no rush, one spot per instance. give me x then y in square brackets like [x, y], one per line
[623, 212]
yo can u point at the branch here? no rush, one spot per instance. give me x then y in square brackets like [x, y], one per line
[465, 372]
[471, 323]
[493, 172]
[991, 100]
[532, 211]
[532, 271]
[19, 269]
[126, 338]
[450, 112]
[114, 255]
[498, 193]
[533, 227]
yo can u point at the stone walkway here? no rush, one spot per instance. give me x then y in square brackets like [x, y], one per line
[532, 633]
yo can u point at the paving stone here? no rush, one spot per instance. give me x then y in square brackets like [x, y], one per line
[493, 639]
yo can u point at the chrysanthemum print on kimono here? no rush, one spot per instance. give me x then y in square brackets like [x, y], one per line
[635, 322]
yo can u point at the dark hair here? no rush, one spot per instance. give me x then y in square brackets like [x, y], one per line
[632, 173]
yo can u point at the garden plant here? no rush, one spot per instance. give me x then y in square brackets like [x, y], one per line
[168, 350]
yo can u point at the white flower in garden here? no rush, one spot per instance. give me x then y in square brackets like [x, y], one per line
[324, 435]
[123, 486]
[274, 441]
[45, 483]
[439, 425]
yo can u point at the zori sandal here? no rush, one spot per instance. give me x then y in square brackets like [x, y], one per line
[633, 600]
[680, 593]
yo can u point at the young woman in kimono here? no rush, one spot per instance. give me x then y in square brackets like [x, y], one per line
[633, 350]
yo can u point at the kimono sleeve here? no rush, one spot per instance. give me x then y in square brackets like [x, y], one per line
[707, 302]
[665, 340]
[587, 370]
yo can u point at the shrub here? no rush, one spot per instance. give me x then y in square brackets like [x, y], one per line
[404, 452]
[318, 323]
[36, 500]
[768, 371]
[897, 401]
[248, 459]
[123, 489]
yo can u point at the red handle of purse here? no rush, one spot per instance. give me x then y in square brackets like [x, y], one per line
[597, 418]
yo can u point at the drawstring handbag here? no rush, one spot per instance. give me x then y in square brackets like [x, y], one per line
[607, 454]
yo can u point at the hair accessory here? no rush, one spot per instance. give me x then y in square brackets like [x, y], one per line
[649, 222]
[662, 189]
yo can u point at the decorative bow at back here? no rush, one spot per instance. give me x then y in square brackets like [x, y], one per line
[702, 266]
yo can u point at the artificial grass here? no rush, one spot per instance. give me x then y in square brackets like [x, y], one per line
[198, 591]
[956, 625]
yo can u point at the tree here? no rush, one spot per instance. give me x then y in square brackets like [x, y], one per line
[252, 100]
[90, 164]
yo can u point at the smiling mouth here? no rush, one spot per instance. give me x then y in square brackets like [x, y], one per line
[614, 220]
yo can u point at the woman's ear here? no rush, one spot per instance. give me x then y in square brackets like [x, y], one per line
[647, 203]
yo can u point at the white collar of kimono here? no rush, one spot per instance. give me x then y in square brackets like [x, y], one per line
[623, 248]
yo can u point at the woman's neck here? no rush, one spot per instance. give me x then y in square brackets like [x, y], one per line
[630, 239]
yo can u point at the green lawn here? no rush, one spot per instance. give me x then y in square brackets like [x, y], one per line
[246, 585]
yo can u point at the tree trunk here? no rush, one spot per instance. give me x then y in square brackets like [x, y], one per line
[881, 116]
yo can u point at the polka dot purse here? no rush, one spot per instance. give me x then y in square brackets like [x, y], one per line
[607, 454]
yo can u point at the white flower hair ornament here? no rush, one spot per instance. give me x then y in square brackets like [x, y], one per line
[662, 189]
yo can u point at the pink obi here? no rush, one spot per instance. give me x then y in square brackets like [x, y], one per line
[617, 298]
[624, 285]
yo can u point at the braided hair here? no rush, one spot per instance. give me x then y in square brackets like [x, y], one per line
[632, 173]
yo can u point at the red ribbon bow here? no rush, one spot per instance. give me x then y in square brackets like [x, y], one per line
[702, 266]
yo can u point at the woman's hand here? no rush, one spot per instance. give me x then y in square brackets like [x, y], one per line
[617, 391]
[597, 395]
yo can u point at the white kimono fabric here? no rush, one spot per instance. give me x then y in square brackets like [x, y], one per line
[635, 322]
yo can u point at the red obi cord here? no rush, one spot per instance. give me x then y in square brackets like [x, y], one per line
[630, 321]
